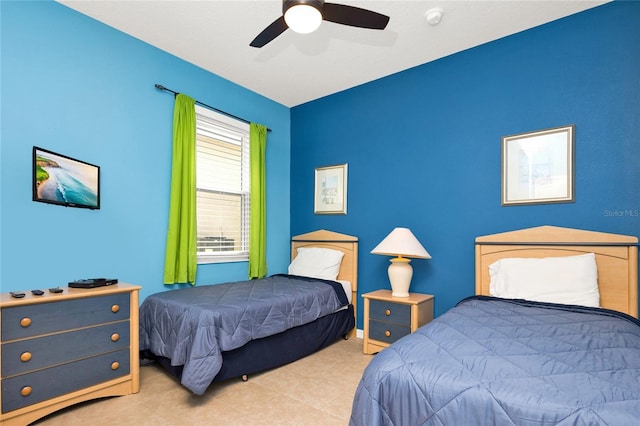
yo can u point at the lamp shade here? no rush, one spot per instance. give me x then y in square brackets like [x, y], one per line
[401, 242]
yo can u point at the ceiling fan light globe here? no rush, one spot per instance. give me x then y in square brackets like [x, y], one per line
[303, 18]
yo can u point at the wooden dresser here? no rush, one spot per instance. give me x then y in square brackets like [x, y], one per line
[61, 349]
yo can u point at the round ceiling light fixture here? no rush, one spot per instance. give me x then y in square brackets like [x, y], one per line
[433, 16]
[303, 16]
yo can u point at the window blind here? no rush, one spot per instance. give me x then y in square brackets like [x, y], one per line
[222, 181]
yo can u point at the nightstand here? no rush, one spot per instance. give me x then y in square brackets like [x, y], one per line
[388, 318]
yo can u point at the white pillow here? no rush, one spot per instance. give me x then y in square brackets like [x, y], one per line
[570, 280]
[317, 262]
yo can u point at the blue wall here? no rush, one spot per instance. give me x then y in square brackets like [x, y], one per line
[75, 86]
[424, 145]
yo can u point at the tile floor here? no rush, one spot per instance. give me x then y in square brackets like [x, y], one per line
[316, 390]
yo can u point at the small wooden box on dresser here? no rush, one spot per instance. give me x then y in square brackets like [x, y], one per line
[388, 318]
[61, 349]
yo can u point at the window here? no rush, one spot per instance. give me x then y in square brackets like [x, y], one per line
[222, 182]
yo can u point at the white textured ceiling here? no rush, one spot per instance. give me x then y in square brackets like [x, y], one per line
[297, 68]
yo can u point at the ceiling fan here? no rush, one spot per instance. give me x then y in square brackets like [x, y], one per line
[304, 16]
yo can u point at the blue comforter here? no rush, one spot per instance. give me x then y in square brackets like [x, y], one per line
[192, 326]
[493, 361]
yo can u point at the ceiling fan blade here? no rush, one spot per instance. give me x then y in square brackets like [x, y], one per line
[267, 35]
[354, 16]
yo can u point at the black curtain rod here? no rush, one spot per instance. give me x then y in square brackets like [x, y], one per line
[161, 87]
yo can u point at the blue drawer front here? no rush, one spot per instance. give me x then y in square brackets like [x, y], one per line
[378, 330]
[58, 348]
[391, 312]
[58, 316]
[56, 381]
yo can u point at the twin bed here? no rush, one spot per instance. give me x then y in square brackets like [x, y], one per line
[211, 333]
[551, 349]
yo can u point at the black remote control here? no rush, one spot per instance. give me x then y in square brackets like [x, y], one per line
[37, 292]
[56, 290]
[17, 294]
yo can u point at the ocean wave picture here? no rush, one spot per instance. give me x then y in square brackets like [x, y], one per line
[66, 181]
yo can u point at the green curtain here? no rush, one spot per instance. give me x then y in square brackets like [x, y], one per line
[181, 258]
[258, 214]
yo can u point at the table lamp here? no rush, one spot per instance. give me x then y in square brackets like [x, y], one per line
[402, 243]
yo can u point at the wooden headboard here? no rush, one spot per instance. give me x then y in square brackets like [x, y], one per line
[345, 243]
[616, 258]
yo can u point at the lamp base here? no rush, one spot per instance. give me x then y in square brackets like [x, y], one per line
[400, 273]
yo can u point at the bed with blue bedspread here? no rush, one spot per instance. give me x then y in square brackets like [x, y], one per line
[211, 333]
[551, 338]
[194, 326]
[492, 361]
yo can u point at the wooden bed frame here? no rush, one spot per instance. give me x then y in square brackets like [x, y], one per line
[616, 258]
[345, 243]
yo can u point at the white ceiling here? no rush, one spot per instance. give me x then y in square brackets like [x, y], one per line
[296, 68]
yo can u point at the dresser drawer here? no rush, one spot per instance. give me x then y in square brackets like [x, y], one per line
[62, 379]
[31, 320]
[386, 332]
[26, 355]
[391, 312]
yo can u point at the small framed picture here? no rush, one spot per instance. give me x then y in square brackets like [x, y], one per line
[331, 190]
[538, 167]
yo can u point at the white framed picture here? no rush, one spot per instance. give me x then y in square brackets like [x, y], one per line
[538, 167]
[331, 190]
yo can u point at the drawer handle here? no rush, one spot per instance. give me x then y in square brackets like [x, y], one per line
[387, 333]
[26, 391]
[115, 365]
[387, 312]
[115, 337]
[115, 309]
[25, 322]
[25, 356]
